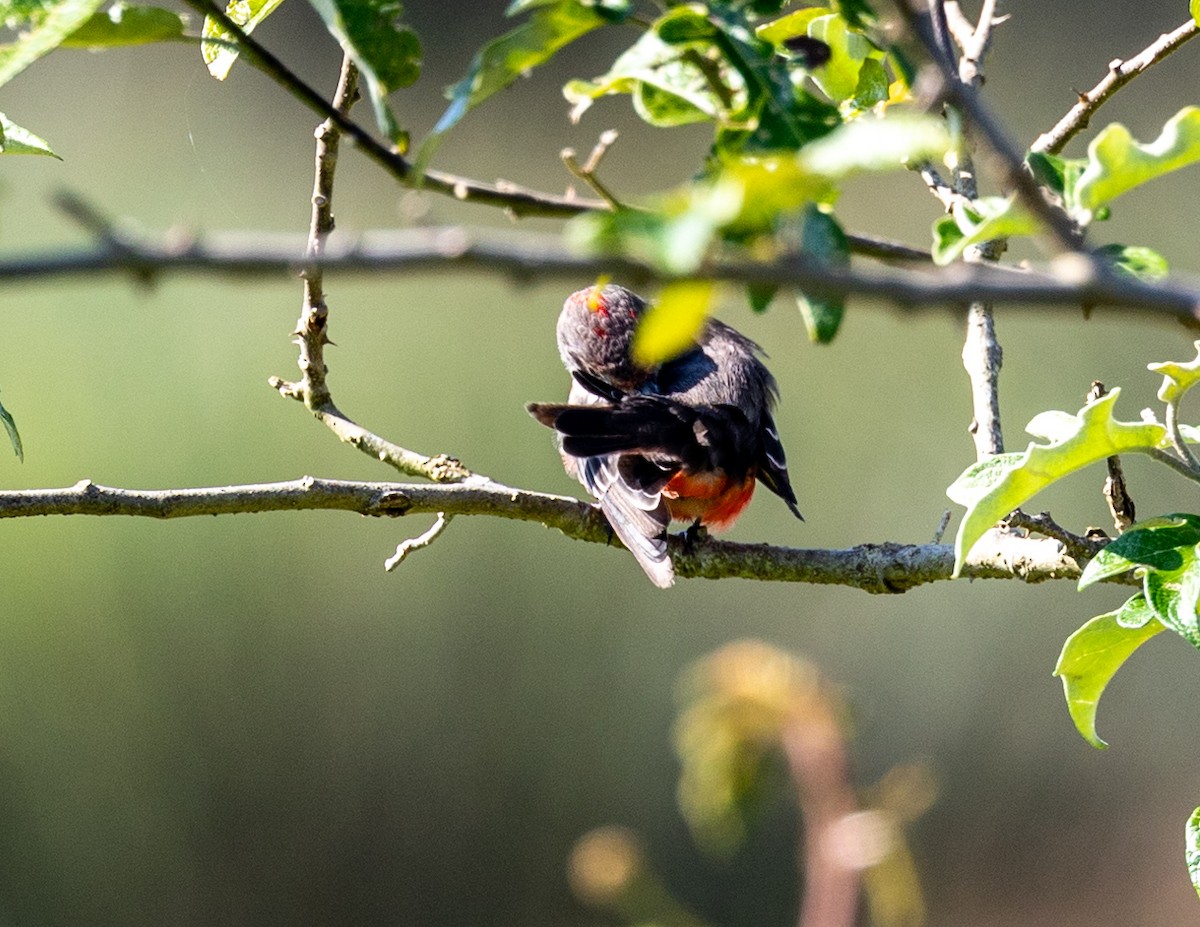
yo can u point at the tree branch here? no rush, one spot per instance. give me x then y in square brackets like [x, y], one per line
[875, 568]
[516, 199]
[1070, 281]
[1119, 74]
[1064, 233]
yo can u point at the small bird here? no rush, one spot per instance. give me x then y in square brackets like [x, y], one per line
[685, 440]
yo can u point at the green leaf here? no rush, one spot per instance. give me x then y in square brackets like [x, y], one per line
[985, 219]
[1192, 831]
[838, 78]
[824, 241]
[992, 490]
[15, 140]
[873, 85]
[760, 296]
[14, 436]
[1117, 163]
[552, 26]
[1135, 261]
[1154, 543]
[795, 23]
[668, 87]
[122, 24]
[388, 56]
[1090, 657]
[248, 14]
[673, 323]
[1177, 378]
[48, 25]
[1174, 596]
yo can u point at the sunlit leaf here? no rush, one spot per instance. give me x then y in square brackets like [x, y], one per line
[985, 219]
[15, 140]
[673, 323]
[838, 78]
[990, 493]
[876, 144]
[1154, 543]
[1177, 378]
[668, 88]
[1117, 163]
[388, 55]
[1192, 831]
[795, 23]
[122, 24]
[42, 34]
[1090, 657]
[873, 87]
[249, 14]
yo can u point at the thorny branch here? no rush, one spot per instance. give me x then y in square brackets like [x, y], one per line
[1119, 74]
[1068, 281]
[311, 331]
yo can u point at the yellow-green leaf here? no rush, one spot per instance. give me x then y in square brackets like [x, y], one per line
[220, 56]
[1117, 163]
[1177, 378]
[1088, 661]
[991, 491]
[985, 219]
[1192, 832]
[672, 325]
[16, 140]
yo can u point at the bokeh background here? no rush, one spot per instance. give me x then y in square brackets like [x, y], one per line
[244, 720]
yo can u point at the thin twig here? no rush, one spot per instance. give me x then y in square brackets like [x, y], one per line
[517, 200]
[1080, 549]
[421, 541]
[876, 568]
[587, 172]
[1064, 233]
[1116, 491]
[1119, 74]
[970, 65]
[312, 329]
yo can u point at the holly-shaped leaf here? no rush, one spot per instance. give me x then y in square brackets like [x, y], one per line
[15, 140]
[1154, 544]
[1177, 378]
[1117, 163]
[219, 56]
[992, 489]
[673, 323]
[1091, 656]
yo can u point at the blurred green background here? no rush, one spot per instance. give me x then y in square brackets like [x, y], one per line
[244, 720]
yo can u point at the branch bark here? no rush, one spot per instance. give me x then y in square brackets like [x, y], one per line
[875, 568]
[1069, 281]
[1119, 74]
